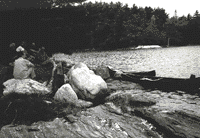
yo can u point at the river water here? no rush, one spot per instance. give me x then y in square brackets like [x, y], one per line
[179, 62]
[176, 62]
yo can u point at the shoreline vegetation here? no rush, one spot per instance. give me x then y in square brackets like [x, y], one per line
[97, 25]
[125, 49]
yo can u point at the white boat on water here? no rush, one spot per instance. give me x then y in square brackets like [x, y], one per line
[148, 46]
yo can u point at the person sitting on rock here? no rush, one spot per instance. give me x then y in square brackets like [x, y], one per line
[14, 53]
[22, 49]
[23, 68]
[40, 55]
[34, 47]
[26, 50]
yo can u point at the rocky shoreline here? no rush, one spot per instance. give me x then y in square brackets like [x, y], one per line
[129, 111]
[176, 114]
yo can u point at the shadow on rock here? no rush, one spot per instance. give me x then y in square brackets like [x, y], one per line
[27, 109]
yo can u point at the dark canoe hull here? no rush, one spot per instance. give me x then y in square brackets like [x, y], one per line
[143, 73]
[163, 83]
[112, 72]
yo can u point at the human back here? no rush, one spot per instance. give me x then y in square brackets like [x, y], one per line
[23, 68]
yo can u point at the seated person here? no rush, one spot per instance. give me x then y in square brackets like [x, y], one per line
[40, 55]
[34, 47]
[13, 52]
[23, 68]
[25, 48]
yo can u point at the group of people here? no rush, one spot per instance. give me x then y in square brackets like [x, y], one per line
[22, 67]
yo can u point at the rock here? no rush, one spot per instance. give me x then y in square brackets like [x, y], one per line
[107, 120]
[85, 83]
[130, 98]
[24, 86]
[84, 104]
[71, 118]
[102, 71]
[171, 114]
[66, 94]
[113, 108]
[126, 113]
[174, 116]
[94, 122]
[66, 80]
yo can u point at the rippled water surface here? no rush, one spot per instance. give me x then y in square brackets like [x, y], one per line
[168, 62]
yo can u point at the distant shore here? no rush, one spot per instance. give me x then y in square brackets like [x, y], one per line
[128, 48]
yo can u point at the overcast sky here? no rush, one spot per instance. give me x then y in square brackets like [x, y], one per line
[183, 7]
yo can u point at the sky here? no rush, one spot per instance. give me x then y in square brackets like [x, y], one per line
[183, 7]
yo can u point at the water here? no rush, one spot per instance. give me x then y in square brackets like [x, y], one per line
[178, 62]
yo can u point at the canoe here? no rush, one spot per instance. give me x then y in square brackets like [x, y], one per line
[117, 73]
[148, 80]
[143, 73]
[164, 83]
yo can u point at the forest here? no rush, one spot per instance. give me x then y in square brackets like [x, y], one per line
[99, 26]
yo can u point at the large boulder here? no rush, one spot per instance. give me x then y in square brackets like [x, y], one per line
[66, 94]
[85, 83]
[103, 71]
[25, 86]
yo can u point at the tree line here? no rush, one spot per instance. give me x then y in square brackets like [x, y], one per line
[98, 25]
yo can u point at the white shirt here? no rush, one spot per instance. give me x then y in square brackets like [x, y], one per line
[22, 68]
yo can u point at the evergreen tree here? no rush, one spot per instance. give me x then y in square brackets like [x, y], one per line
[189, 17]
[196, 14]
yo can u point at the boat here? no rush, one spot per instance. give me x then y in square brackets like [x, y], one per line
[148, 80]
[164, 83]
[148, 47]
[143, 73]
[117, 73]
